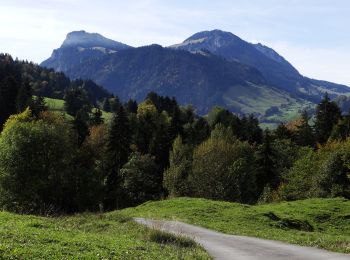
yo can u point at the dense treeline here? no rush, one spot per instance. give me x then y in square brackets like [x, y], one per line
[52, 163]
[19, 80]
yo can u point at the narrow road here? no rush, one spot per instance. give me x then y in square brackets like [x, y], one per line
[222, 246]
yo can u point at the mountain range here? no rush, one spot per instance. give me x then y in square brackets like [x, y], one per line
[210, 68]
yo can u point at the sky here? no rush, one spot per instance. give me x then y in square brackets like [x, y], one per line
[314, 35]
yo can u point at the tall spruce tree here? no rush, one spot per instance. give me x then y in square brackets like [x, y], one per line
[24, 97]
[160, 145]
[131, 106]
[265, 159]
[81, 127]
[75, 99]
[114, 104]
[118, 152]
[8, 93]
[175, 125]
[38, 105]
[251, 130]
[327, 116]
[106, 105]
[304, 135]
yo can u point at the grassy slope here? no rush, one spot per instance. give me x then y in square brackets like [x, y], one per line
[57, 105]
[86, 236]
[290, 111]
[260, 98]
[330, 219]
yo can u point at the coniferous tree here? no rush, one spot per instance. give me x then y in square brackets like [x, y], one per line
[342, 129]
[114, 104]
[160, 145]
[265, 159]
[197, 132]
[201, 129]
[80, 124]
[175, 127]
[188, 114]
[106, 105]
[131, 106]
[96, 118]
[282, 132]
[118, 151]
[8, 93]
[24, 97]
[251, 130]
[219, 115]
[76, 99]
[236, 126]
[327, 116]
[38, 105]
[304, 135]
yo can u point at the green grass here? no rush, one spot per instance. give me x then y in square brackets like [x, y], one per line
[88, 236]
[54, 104]
[107, 116]
[323, 223]
[57, 105]
[259, 99]
[291, 111]
[162, 237]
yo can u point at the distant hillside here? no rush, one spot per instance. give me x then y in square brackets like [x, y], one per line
[277, 71]
[208, 69]
[43, 81]
[201, 80]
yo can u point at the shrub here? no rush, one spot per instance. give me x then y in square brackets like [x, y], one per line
[162, 237]
[319, 174]
[176, 176]
[140, 179]
[224, 168]
[41, 171]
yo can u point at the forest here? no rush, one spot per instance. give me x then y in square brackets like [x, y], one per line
[56, 163]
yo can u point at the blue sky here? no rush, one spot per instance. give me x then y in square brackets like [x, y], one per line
[314, 35]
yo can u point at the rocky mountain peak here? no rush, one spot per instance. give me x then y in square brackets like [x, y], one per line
[90, 40]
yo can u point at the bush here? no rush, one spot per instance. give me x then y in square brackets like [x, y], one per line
[224, 168]
[319, 174]
[140, 180]
[40, 169]
[176, 176]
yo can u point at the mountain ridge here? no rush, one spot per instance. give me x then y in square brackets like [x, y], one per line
[89, 40]
[278, 71]
[209, 68]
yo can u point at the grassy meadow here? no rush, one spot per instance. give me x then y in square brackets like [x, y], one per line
[57, 105]
[88, 236]
[323, 223]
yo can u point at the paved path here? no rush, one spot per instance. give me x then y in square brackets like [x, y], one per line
[223, 246]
